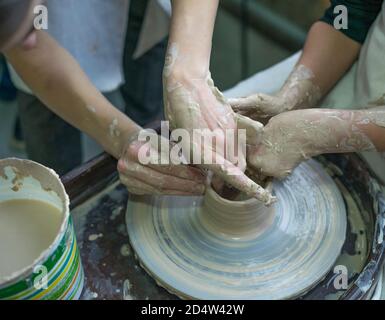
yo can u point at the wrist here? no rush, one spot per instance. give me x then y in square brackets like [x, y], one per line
[183, 63]
[303, 132]
[332, 131]
[300, 96]
[300, 90]
[184, 73]
[129, 133]
[317, 131]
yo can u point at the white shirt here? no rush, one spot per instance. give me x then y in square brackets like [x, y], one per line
[93, 31]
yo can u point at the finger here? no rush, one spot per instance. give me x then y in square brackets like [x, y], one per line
[182, 171]
[254, 129]
[159, 180]
[237, 178]
[188, 176]
[158, 158]
[256, 174]
[273, 168]
[260, 103]
[143, 189]
[138, 187]
[221, 108]
[243, 103]
[252, 101]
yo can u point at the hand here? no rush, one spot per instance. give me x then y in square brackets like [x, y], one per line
[298, 92]
[260, 106]
[195, 103]
[282, 148]
[294, 136]
[156, 179]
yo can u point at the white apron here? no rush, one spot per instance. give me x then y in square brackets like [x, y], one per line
[362, 85]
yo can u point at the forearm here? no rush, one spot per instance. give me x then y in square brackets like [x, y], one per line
[338, 131]
[327, 56]
[191, 32]
[57, 80]
[292, 137]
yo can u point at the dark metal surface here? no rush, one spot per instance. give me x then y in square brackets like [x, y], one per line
[112, 272]
[359, 182]
[111, 269]
[364, 285]
[90, 178]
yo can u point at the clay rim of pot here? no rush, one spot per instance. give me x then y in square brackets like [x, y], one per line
[241, 219]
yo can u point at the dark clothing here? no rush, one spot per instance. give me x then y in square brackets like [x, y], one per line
[142, 90]
[361, 15]
[49, 140]
[7, 89]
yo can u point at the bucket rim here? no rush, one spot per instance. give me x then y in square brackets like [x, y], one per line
[45, 254]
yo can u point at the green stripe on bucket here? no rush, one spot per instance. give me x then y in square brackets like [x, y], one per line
[56, 275]
[24, 289]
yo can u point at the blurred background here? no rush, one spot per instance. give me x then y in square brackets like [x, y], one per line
[250, 35]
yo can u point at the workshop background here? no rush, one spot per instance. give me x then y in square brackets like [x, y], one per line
[250, 35]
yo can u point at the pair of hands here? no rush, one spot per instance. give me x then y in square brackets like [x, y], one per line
[197, 104]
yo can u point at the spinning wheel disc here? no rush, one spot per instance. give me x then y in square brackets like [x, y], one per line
[211, 248]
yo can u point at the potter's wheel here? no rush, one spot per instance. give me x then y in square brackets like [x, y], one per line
[202, 248]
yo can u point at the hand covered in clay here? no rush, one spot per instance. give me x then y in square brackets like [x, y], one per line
[197, 106]
[154, 177]
[283, 147]
[298, 92]
[291, 137]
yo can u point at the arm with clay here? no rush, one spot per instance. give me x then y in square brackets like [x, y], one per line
[327, 56]
[56, 78]
[192, 102]
[294, 136]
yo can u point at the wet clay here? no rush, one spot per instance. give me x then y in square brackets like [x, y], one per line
[27, 228]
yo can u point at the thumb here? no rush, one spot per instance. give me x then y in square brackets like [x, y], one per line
[242, 103]
[254, 129]
[252, 103]
[234, 176]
